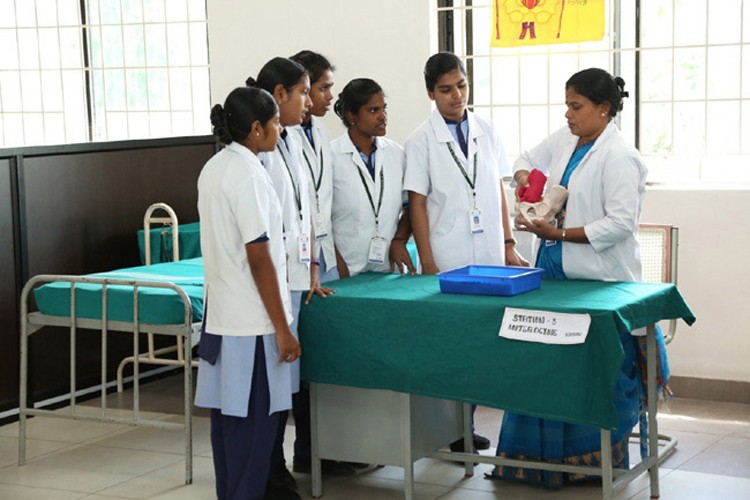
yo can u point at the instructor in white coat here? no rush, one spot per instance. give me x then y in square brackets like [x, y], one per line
[606, 186]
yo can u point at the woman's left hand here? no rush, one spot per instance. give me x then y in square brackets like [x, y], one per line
[400, 257]
[513, 258]
[315, 287]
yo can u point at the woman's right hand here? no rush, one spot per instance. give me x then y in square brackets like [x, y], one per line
[430, 269]
[289, 348]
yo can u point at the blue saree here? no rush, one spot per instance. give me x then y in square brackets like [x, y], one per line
[532, 438]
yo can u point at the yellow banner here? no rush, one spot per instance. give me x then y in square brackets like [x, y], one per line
[520, 23]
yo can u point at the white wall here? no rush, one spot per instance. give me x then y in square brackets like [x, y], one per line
[713, 277]
[387, 40]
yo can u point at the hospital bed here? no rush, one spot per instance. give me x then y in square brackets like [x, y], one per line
[163, 299]
[169, 233]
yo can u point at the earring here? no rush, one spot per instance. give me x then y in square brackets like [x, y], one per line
[603, 114]
[257, 133]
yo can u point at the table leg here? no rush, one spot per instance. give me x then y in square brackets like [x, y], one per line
[653, 430]
[468, 439]
[316, 469]
[188, 392]
[406, 456]
[606, 464]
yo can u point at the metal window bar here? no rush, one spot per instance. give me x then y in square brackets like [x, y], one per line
[88, 27]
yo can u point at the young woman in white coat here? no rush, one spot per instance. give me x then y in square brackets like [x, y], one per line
[289, 84]
[312, 135]
[455, 164]
[370, 214]
[593, 238]
[246, 345]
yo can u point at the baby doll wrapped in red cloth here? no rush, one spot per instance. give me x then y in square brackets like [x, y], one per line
[532, 205]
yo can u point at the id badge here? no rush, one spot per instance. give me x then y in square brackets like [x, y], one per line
[475, 221]
[378, 249]
[551, 243]
[304, 248]
[319, 226]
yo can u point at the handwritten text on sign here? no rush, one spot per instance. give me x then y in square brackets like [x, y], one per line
[546, 327]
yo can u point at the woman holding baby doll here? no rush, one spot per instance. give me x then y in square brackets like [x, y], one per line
[606, 181]
[593, 237]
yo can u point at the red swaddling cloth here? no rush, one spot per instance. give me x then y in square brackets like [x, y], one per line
[532, 192]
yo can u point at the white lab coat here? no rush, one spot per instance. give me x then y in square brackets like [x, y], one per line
[605, 197]
[298, 272]
[319, 157]
[237, 204]
[431, 171]
[352, 215]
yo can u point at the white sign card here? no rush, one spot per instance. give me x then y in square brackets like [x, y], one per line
[546, 327]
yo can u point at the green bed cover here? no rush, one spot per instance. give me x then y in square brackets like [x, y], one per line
[156, 305]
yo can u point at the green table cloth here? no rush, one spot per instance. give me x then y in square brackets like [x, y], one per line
[188, 235]
[400, 333]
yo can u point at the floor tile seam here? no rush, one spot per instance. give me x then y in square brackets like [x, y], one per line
[138, 476]
[133, 478]
[44, 488]
[24, 485]
[669, 430]
[68, 447]
[125, 430]
[180, 455]
[719, 441]
[458, 490]
[416, 481]
[685, 467]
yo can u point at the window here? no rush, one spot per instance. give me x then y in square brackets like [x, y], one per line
[96, 70]
[686, 64]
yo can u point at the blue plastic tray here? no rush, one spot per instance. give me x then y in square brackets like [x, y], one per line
[491, 280]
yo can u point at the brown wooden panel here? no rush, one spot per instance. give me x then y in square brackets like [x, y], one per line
[8, 291]
[82, 212]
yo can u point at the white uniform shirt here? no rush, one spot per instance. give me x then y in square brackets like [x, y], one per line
[237, 204]
[605, 197]
[352, 214]
[431, 171]
[291, 185]
[318, 162]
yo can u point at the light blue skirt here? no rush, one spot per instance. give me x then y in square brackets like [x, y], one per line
[227, 384]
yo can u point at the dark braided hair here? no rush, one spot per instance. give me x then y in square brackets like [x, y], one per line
[355, 95]
[315, 64]
[242, 107]
[278, 71]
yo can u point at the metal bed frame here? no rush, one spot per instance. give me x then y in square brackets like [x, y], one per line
[153, 356]
[32, 322]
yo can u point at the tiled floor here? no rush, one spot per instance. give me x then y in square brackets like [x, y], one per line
[78, 459]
